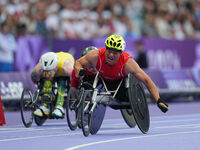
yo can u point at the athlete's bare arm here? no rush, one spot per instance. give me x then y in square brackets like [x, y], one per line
[87, 61]
[68, 67]
[36, 74]
[132, 67]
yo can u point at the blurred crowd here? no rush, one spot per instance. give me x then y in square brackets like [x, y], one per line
[86, 19]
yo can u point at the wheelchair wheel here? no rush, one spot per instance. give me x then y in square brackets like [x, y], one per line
[127, 114]
[71, 109]
[86, 116]
[97, 118]
[39, 120]
[27, 107]
[138, 104]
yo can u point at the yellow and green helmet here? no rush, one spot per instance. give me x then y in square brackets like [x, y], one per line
[116, 42]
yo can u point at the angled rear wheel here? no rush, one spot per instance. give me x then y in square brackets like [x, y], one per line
[71, 109]
[27, 107]
[86, 116]
[139, 104]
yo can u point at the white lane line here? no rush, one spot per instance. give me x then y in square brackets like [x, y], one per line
[35, 137]
[151, 122]
[104, 126]
[174, 116]
[55, 135]
[32, 129]
[181, 126]
[176, 120]
[109, 120]
[129, 138]
[48, 123]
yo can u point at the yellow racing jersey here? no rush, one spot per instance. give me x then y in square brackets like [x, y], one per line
[62, 57]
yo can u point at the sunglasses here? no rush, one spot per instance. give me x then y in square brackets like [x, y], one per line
[114, 51]
[48, 72]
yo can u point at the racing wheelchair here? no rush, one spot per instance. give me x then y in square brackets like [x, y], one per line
[30, 101]
[89, 104]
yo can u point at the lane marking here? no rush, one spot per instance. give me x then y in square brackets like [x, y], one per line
[34, 137]
[129, 138]
[178, 126]
[54, 135]
[32, 129]
[121, 125]
[109, 119]
[177, 120]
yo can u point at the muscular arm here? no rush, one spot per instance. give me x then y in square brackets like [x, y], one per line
[36, 74]
[133, 67]
[87, 61]
[68, 67]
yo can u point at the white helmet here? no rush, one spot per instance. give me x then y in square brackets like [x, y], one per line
[48, 61]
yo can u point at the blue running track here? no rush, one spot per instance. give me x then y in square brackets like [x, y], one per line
[179, 129]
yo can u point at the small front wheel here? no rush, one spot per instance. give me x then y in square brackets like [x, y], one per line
[39, 120]
[26, 107]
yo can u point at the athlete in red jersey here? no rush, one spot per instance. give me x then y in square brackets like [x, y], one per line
[112, 72]
[113, 64]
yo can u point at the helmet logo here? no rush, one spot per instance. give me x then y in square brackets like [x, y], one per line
[51, 62]
[45, 63]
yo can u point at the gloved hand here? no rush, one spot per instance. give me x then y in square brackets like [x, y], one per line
[162, 105]
[82, 72]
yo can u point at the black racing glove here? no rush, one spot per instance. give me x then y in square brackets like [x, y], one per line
[82, 72]
[162, 105]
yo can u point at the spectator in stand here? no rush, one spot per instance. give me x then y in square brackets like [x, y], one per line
[149, 18]
[142, 55]
[7, 49]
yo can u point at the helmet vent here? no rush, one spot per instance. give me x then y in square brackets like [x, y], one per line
[118, 45]
[114, 44]
[111, 43]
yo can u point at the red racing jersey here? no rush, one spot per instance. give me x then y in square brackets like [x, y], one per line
[109, 73]
[114, 72]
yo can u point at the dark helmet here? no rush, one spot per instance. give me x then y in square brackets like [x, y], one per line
[87, 49]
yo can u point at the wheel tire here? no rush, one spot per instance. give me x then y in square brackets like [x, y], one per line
[71, 109]
[127, 114]
[139, 104]
[26, 107]
[86, 117]
[39, 120]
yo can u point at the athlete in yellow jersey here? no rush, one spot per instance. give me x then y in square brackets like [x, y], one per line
[50, 66]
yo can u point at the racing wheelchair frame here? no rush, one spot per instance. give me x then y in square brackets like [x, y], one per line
[90, 105]
[30, 101]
